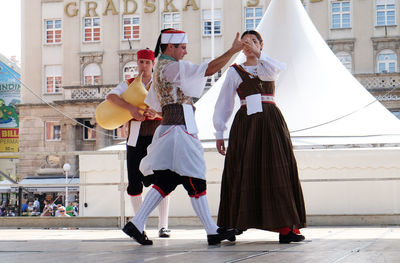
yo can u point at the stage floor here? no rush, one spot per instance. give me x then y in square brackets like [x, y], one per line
[188, 244]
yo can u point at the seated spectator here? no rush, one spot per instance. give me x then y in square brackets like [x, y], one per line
[35, 212]
[76, 209]
[47, 210]
[36, 204]
[62, 212]
[25, 206]
[30, 208]
[10, 212]
[57, 211]
[70, 209]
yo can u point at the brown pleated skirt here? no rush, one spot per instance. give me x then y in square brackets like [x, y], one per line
[260, 184]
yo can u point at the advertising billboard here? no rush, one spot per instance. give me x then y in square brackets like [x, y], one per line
[9, 116]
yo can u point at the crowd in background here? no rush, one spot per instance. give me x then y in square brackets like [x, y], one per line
[36, 208]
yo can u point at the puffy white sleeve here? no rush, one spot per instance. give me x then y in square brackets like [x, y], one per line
[225, 102]
[152, 99]
[268, 69]
[192, 78]
[189, 77]
[118, 90]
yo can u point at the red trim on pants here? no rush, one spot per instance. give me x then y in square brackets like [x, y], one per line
[135, 195]
[159, 190]
[190, 181]
[198, 195]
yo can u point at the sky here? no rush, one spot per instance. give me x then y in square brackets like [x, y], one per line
[10, 28]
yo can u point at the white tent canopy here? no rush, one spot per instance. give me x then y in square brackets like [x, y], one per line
[321, 101]
[4, 186]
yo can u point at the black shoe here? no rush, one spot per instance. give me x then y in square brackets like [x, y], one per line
[223, 234]
[164, 232]
[291, 237]
[131, 230]
[238, 232]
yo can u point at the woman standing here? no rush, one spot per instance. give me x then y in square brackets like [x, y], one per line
[260, 185]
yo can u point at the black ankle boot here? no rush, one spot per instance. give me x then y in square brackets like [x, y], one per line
[223, 233]
[291, 237]
[132, 231]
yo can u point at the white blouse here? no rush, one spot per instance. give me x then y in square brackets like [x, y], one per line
[267, 69]
[189, 77]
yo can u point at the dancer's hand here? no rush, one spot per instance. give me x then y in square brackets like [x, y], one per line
[251, 47]
[150, 113]
[221, 146]
[135, 112]
[237, 45]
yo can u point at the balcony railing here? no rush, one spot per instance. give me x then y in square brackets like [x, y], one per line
[373, 82]
[385, 87]
[379, 82]
[92, 92]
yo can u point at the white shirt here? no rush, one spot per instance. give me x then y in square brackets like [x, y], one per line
[189, 77]
[267, 69]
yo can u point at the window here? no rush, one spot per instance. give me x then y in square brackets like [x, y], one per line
[253, 17]
[53, 31]
[130, 70]
[131, 27]
[89, 133]
[207, 27]
[52, 131]
[91, 29]
[216, 76]
[385, 13]
[346, 59]
[396, 113]
[53, 79]
[341, 14]
[92, 75]
[387, 61]
[121, 133]
[171, 20]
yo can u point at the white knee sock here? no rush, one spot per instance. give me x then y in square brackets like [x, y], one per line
[150, 202]
[136, 202]
[163, 210]
[200, 206]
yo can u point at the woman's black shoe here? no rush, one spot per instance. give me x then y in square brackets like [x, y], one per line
[291, 237]
[223, 234]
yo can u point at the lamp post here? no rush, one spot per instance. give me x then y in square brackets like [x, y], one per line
[66, 168]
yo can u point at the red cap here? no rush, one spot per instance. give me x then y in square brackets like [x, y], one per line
[145, 54]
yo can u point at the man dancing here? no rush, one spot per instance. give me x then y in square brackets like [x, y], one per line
[175, 155]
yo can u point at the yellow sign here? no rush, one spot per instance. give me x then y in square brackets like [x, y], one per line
[9, 140]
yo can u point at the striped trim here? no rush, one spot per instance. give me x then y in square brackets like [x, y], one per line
[199, 195]
[159, 190]
[135, 195]
[265, 98]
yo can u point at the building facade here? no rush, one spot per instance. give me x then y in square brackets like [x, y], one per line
[75, 51]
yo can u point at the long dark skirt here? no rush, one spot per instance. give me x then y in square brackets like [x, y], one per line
[260, 184]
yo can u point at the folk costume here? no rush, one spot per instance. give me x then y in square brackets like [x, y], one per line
[260, 184]
[175, 155]
[140, 135]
